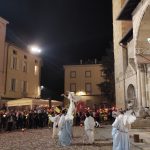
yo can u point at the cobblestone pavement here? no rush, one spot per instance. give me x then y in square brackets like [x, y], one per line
[40, 139]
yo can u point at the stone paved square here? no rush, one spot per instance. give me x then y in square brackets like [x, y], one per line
[40, 139]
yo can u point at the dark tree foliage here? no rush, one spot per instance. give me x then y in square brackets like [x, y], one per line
[108, 86]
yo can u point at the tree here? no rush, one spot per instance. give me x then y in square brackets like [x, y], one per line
[108, 86]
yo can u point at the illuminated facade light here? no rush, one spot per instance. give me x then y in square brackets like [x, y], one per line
[148, 39]
[81, 93]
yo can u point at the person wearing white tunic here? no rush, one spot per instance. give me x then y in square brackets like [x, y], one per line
[55, 121]
[66, 121]
[72, 99]
[65, 130]
[89, 124]
[120, 131]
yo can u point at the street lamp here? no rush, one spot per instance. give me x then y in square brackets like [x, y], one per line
[42, 87]
[41, 91]
[35, 49]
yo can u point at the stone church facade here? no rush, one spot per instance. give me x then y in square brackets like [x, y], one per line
[131, 34]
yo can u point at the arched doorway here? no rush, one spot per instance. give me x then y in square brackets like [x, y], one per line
[131, 95]
[143, 36]
[142, 46]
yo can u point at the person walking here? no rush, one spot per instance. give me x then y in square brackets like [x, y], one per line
[65, 130]
[55, 121]
[66, 121]
[89, 125]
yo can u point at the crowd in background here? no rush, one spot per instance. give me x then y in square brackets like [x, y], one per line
[39, 118]
[102, 116]
[31, 119]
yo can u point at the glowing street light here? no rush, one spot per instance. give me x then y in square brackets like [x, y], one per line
[42, 87]
[148, 39]
[35, 49]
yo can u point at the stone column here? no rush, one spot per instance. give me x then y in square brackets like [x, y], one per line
[146, 85]
[143, 85]
[141, 112]
[139, 97]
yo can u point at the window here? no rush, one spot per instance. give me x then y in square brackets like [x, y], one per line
[103, 73]
[14, 62]
[13, 85]
[25, 57]
[24, 66]
[36, 62]
[88, 74]
[14, 65]
[36, 69]
[73, 74]
[73, 87]
[24, 86]
[14, 52]
[88, 88]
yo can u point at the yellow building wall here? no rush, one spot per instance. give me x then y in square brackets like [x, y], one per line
[96, 78]
[33, 81]
[3, 24]
[80, 79]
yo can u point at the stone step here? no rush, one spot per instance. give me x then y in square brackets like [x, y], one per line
[144, 145]
[141, 123]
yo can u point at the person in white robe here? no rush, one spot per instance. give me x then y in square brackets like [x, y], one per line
[65, 134]
[55, 121]
[120, 130]
[89, 125]
[72, 100]
[66, 121]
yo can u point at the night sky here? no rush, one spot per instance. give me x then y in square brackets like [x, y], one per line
[66, 30]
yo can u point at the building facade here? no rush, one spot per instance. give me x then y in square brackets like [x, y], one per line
[83, 80]
[20, 70]
[3, 24]
[131, 33]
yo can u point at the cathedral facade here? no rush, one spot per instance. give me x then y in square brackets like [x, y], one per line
[131, 35]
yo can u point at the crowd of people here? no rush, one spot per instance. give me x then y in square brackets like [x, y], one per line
[101, 116]
[40, 117]
[30, 119]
